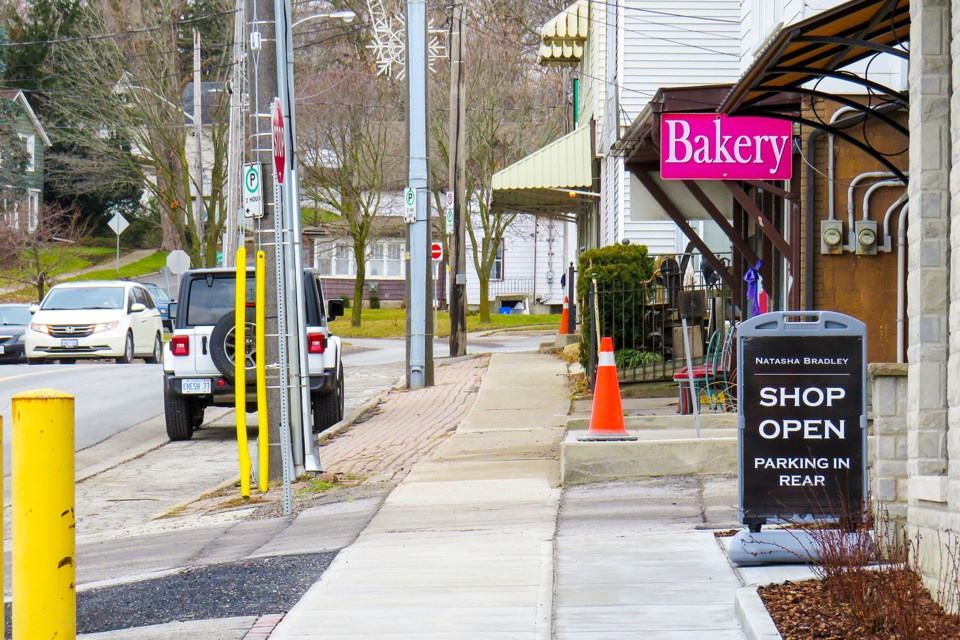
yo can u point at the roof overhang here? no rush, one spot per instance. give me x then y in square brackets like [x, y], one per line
[557, 180]
[563, 36]
[16, 95]
[821, 46]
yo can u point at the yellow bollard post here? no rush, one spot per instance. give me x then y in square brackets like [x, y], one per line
[263, 438]
[44, 541]
[240, 371]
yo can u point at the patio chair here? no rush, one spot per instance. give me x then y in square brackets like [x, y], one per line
[703, 375]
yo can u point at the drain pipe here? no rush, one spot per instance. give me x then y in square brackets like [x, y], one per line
[887, 245]
[901, 279]
[831, 169]
[810, 213]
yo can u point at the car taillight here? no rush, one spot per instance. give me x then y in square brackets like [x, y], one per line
[316, 342]
[180, 345]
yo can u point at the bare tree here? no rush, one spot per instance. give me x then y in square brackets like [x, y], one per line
[514, 108]
[345, 137]
[36, 258]
[125, 93]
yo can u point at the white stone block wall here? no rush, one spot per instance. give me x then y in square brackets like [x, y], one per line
[888, 478]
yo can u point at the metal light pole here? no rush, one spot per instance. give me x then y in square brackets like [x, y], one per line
[419, 275]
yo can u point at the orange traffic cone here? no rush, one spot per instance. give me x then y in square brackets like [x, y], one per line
[606, 418]
[565, 317]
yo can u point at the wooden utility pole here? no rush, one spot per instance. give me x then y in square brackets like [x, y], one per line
[458, 152]
[198, 208]
[263, 89]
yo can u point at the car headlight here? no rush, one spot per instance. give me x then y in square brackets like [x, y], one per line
[40, 328]
[105, 326]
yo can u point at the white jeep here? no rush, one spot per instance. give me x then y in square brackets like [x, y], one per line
[198, 361]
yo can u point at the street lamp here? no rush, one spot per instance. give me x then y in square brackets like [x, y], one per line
[345, 16]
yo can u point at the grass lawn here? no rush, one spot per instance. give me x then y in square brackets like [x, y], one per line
[79, 258]
[91, 256]
[391, 323]
[151, 264]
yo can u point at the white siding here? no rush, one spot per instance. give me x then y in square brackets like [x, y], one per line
[530, 266]
[681, 43]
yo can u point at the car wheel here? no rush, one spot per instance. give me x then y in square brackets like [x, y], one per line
[328, 407]
[34, 360]
[127, 356]
[179, 413]
[68, 361]
[157, 354]
[223, 346]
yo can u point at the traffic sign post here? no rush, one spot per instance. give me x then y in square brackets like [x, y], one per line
[279, 142]
[409, 205]
[178, 262]
[253, 190]
[119, 224]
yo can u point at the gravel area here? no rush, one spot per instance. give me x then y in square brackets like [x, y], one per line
[246, 588]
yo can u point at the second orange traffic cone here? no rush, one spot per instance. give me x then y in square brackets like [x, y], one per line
[606, 418]
[565, 317]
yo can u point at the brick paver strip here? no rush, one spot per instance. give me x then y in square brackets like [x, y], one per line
[263, 627]
[407, 427]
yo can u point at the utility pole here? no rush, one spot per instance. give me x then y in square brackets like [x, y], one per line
[458, 152]
[198, 207]
[232, 238]
[263, 86]
[419, 274]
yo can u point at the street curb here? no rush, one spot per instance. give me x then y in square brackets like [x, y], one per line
[348, 421]
[753, 616]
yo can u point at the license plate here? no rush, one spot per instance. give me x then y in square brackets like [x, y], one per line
[69, 343]
[195, 386]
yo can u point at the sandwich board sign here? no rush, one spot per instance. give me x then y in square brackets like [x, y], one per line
[802, 417]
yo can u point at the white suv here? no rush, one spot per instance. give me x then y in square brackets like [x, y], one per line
[95, 319]
[198, 361]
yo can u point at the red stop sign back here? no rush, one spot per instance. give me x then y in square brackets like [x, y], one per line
[436, 250]
[279, 141]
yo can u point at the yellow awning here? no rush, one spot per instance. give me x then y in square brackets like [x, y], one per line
[564, 35]
[554, 180]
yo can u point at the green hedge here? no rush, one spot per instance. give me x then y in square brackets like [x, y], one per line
[615, 268]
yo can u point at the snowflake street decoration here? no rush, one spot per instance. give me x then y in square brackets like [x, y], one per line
[389, 35]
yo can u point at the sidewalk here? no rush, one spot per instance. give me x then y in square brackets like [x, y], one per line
[474, 544]
[462, 548]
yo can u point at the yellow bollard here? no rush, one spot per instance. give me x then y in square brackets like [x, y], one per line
[44, 541]
[240, 371]
[261, 308]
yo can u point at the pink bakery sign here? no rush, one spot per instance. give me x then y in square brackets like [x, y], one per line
[708, 146]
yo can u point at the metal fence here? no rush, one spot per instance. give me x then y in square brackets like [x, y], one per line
[646, 323]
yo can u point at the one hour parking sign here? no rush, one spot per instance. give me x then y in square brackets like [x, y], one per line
[253, 190]
[803, 416]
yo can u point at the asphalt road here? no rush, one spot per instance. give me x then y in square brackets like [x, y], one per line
[108, 397]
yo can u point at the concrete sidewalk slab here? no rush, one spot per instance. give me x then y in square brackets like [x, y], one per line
[457, 532]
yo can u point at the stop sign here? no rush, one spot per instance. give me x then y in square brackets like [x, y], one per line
[436, 251]
[279, 143]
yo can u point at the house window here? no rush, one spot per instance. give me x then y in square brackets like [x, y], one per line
[496, 271]
[335, 259]
[33, 209]
[11, 213]
[30, 142]
[386, 259]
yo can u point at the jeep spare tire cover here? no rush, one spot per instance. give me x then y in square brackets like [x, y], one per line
[222, 345]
